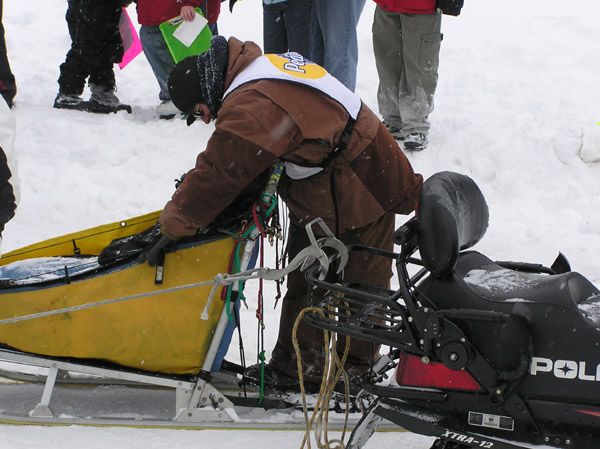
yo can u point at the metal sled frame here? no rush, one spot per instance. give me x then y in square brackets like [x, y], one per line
[197, 403]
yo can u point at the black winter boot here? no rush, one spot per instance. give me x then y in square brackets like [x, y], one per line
[276, 380]
[414, 142]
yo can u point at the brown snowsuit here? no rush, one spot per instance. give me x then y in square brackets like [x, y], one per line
[357, 194]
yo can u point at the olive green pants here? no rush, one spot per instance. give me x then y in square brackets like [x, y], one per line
[406, 48]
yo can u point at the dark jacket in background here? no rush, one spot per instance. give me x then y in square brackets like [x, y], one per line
[8, 87]
[8, 178]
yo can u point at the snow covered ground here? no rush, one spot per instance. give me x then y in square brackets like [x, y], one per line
[516, 109]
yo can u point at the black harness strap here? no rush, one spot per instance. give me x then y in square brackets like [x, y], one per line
[341, 146]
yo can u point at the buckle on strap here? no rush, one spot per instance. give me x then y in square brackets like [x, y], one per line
[341, 146]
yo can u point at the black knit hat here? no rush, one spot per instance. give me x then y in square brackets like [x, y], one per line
[184, 85]
[200, 79]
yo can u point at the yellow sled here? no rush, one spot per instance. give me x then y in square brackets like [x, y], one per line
[158, 332]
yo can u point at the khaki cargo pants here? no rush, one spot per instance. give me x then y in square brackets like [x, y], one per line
[406, 48]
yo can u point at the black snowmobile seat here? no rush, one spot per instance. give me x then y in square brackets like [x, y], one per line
[452, 217]
[478, 283]
[549, 316]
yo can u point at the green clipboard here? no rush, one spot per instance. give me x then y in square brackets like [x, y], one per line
[178, 49]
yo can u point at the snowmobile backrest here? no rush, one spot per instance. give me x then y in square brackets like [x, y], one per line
[452, 216]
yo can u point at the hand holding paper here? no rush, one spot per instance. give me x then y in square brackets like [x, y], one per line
[187, 32]
[187, 13]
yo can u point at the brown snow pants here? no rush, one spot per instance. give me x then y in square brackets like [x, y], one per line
[362, 268]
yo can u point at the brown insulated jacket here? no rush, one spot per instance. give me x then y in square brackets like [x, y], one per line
[265, 120]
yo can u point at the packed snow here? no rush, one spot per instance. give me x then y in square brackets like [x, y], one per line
[517, 109]
[499, 281]
[43, 269]
[591, 309]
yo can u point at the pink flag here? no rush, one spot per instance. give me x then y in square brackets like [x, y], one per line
[131, 41]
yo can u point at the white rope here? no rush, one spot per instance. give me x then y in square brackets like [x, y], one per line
[220, 279]
[309, 255]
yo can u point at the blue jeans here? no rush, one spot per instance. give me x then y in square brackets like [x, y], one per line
[285, 27]
[158, 56]
[334, 44]
[214, 29]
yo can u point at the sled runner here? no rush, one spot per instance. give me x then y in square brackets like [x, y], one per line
[489, 354]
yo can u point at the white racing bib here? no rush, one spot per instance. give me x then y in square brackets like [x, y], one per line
[293, 67]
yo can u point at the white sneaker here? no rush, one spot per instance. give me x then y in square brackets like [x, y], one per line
[167, 110]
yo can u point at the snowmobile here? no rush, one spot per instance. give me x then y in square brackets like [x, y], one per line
[494, 355]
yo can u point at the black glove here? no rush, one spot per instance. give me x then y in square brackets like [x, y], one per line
[130, 247]
[154, 253]
[450, 7]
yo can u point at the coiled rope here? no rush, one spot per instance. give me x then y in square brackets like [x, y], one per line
[333, 370]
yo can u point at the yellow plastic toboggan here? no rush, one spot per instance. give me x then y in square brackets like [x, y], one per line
[125, 321]
[159, 332]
